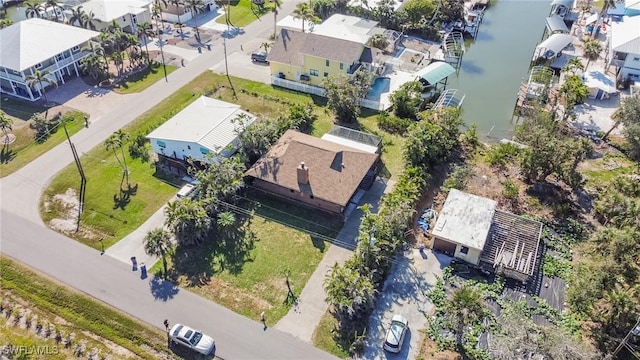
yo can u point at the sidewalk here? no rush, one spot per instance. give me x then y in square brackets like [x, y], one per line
[302, 319]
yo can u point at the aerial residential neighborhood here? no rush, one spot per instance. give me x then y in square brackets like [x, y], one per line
[417, 179]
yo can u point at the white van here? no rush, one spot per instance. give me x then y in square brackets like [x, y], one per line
[188, 191]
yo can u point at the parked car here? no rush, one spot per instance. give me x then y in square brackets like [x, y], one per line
[193, 339]
[188, 191]
[259, 56]
[396, 333]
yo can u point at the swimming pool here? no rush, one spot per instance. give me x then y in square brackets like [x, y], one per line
[380, 85]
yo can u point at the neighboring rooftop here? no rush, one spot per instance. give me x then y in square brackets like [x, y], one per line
[335, 170]
[292, 45]
[207, 122]
[465, 219]
[350, 28]
[625, 35]
[436, 72]
[32, 41]
[107, 10]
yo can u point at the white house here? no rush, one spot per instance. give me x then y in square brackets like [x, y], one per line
[37, 44]
[205, 126]
[624, 47]
[126, 13]
[183, 13]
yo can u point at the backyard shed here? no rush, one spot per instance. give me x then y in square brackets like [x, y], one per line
[600, 85]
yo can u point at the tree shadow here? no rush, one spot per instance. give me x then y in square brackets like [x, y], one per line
[162, 289]
[123, 198]
[6, 154]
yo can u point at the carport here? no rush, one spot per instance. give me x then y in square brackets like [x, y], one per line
[600, 85]
[435, 74]
[555, 24]
[553, 45]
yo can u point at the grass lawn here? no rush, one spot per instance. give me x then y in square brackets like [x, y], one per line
[142, 80]
[324, 338]
[49, 303]
[242, 13]
[599, 173]
[25, 148]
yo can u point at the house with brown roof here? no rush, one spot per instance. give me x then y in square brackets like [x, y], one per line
[313, 172]
[309, 58]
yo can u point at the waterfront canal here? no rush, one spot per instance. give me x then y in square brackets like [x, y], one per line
[496, 63]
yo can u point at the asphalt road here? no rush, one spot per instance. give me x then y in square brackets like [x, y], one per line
[24, 237]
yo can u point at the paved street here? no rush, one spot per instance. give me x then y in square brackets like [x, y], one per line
[25, 238]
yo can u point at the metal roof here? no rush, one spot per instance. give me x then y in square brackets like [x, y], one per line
[556, 24]
[465, 219]
[599, 80]
[566, 3]
[436, 72]
[625, 35]
[349, 28]
[108, 10]
[32, 41]
[555, 43]
[207, 122]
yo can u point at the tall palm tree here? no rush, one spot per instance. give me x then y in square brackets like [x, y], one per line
[145, 32]
[77, 16]
[37, 78]
[274, 10]
[592, 50]
[88, 20]
[188, 220]
[467, 307]
[303, 12]
[114, 142]
[196, 6]
[94, 65]
[157, 242]
[5, 123]
[33, 9]
[156, 13]
[574, 65]
[177, 4]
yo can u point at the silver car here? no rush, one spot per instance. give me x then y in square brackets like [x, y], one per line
[396, 333]
[193, 339]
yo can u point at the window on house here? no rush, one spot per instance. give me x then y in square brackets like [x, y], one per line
[291, 190]
[75, 48]
[464, 250]
[326, 74]
[162, 144]
[326, 62]
[134, 19]
[204, 151]
[313, 72]
[59, 57]
[38, 66]
[341, 66]
[124, 18]
[636, 59]
[189, 147]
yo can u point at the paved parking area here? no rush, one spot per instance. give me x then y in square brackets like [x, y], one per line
[240, 65]
[405, 292]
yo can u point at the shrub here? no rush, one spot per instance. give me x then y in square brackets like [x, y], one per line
[501, 155]
[510, 190]
[393, 124]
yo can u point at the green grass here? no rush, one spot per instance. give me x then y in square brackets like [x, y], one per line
[80, 313]
[242, 14]
[25, 149]
[142, 80]
[599, 173]
[324, 338]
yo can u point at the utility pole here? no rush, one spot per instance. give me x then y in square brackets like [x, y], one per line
[164, 66]
[83, 179]
[635, 331]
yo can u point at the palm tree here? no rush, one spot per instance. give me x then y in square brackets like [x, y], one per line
[53, 5]
[379, 41]
[115, 141]
[157, 242]
[265, 45]
[156, 13]
[145, 31]
[274, 10]
[33, 9]
[466, 307]
[350, 292]
[592, 50]
[574, 65]
[196, 6]
[77, 16]
[303, 12]
[5, 123]
[37, 78]
[5, 23]
[188, 220]
[94, 66]
[88, 21]
[177, 4]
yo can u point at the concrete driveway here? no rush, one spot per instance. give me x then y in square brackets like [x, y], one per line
[405, 292]
[240, 65]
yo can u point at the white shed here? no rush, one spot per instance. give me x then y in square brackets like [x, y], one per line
[205, 126]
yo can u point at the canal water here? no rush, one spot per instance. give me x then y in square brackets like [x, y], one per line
[15, 13]
[495, 64]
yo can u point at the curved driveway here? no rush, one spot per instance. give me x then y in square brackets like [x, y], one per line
[24, 237]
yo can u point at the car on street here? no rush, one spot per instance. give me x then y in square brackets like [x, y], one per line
[193, 339]
[259, 56]
[396, 333]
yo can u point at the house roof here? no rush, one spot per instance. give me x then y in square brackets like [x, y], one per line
[350, 28]
[32, 41]
[625, 35]
[436, 72]
[107, 10]
[566, 3]
[292, 45]
[335, 170]
[555, 43]
[632, 7]
[207, 122]
[556, 23]
[599, 80]
[465, 219]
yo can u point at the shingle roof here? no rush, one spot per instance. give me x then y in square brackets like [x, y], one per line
[335, 171]
[292, 45]
[207, 122]
[32, 41]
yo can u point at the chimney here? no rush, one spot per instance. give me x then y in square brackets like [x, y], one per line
[303, 174]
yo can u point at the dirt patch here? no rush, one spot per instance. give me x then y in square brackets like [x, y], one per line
[66, 207]
[229, 296]
[429, 350]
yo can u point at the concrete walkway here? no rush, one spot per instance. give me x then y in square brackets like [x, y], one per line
[302, 319]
